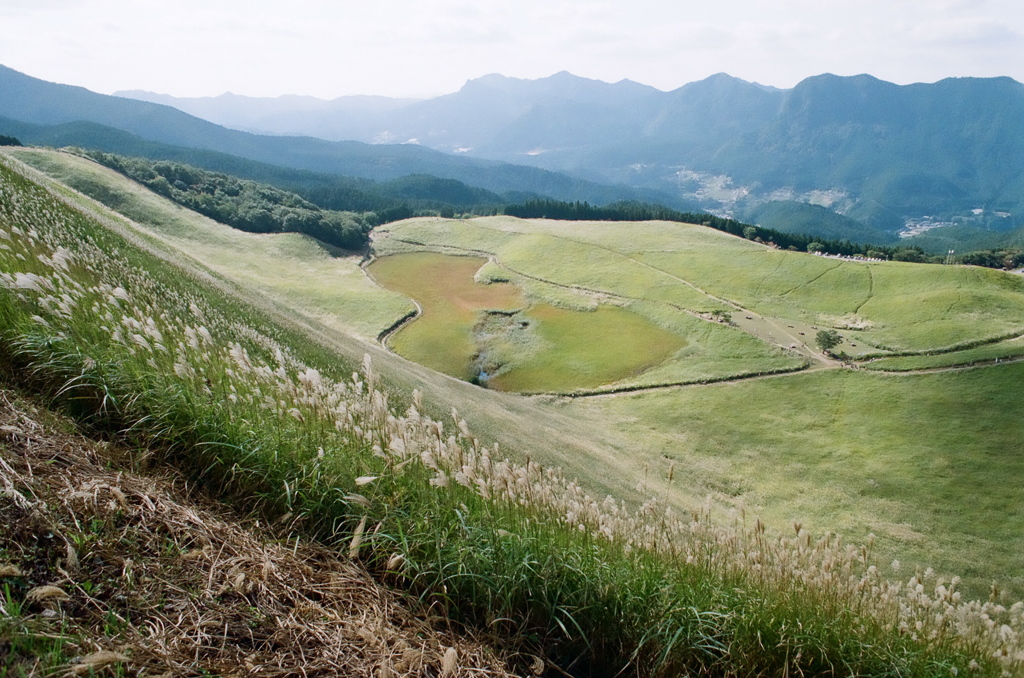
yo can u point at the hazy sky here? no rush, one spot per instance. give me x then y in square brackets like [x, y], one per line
[427, 47]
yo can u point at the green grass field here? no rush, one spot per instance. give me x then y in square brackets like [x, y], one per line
[929, 463]
[442, 338]
[257, 403]
[939, 448]
[844, 450]
[300, 272]
[545, 348]
[575, 276]
[904, 307]
[586, 350]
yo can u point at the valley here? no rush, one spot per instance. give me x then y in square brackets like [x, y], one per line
[540, 339]
[853, 451]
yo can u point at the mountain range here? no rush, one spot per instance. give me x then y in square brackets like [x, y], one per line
[54, 114]
[850, 155]
[874, 151]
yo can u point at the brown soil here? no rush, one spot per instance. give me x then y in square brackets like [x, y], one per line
[142, 576]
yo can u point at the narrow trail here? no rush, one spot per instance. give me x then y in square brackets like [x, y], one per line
[871, 291]
[952, 368]
[805, 283]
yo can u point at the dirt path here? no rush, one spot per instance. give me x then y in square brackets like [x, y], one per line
[976, 365]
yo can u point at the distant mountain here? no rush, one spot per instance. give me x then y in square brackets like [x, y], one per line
[942, 148]
[885, 153]
[28, 100]
[551, 122]
[477, 116]
[884, 156]
[341, 119]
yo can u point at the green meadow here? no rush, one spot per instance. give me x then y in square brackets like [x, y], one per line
[488, 332]
[890, 305]
[588, 349]
[927, 462]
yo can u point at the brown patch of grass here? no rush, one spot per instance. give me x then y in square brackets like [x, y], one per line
[137, 574]
[442, 338]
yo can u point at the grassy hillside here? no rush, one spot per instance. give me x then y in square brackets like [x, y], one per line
[929, 463]
[889, 305]
[740, 443]
[803, 447]
[306, 282]
[145, 570]
[588, 438]
[297, 270]
[142, 342]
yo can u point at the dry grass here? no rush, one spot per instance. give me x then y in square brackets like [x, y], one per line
[514, 548]
[137, 574]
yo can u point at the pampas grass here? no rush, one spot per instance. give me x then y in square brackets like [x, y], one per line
[132, 343]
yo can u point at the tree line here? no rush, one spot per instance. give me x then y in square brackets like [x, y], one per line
[632, 211]
[246, 205]
[635, 211]
[258, 207]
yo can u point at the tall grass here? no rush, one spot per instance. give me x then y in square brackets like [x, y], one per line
[129, 341]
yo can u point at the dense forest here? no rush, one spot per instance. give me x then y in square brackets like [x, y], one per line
[243, 204]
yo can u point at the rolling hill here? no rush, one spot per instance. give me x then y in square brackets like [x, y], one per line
[43, 105]
[234, 356]
[885, 152]
[848, 450]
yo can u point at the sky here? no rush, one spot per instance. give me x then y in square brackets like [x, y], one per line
[423, 48]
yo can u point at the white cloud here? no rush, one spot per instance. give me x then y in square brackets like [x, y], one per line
[971, 32]
[398, 47]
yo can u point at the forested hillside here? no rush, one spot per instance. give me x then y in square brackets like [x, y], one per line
[34, 108]
[895, 151]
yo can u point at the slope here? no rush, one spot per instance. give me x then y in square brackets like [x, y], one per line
[148, 570]
[143, 341]
[37, 102]
[727, 444]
